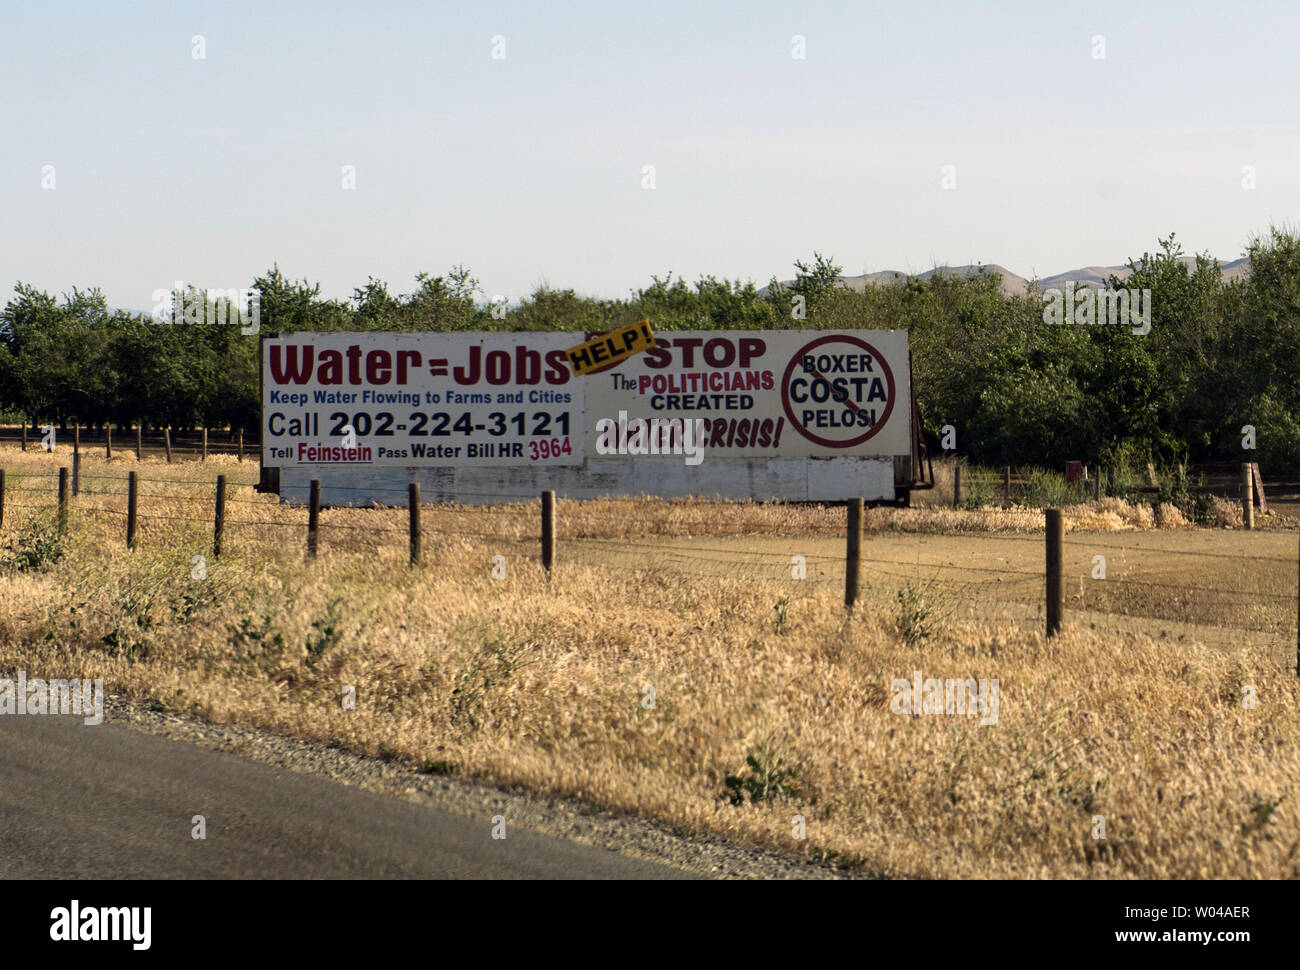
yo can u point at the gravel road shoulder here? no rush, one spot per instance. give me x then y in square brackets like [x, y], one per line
[561, 818]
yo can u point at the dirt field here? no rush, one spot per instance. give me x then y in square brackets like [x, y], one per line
[1224, 587]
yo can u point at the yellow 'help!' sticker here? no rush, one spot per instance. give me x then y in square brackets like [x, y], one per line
[610, 349]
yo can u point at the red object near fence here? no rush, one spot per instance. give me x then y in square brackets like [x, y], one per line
[1073, 471]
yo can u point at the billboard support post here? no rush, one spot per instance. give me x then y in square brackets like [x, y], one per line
[548, 531]
[853, 552]
[313, 518]
[413, 507]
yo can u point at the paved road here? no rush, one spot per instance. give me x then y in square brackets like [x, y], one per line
[106, 802]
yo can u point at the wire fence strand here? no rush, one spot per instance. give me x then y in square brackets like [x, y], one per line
[1259, 597]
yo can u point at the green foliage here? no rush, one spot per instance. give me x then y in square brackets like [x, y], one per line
[429, 767]
[493, 664]
[36, 545]
[136, 595]
[782, 613]
[1021, 391]
[1172, 485]
[192, 599]
[256, 640]
[121, 642]
[1047, 489]
[1277, 429]
[1124, 480]
[766, 775]
[919, 612]
[328, 635]
[1261, 811]
[816, 284]
[980, 488]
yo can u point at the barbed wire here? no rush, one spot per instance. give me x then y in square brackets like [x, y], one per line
[697, 557]
[1244, 593]
[939, 566]
[784, 557]
[240, 523]
[1193, 552]
[169, 481]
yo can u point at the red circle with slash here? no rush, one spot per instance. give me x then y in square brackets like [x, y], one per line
[859, 345]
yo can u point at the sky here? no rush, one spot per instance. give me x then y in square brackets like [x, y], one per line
[595, 145]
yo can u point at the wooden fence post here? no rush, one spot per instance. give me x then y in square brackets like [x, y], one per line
[76, 459]
[1247, 499]
[1006, 487]
[24, 432]
[853, 552]
[241, 444]
[2, 498]
[219, 525]
[1259, 488]
[139, 442]
[108, 441]
[548, 530]
[63, 500]
[204, 456]
[167, 443]
[132, 493]
[1055, 569]
[313, 518]
[413, 504]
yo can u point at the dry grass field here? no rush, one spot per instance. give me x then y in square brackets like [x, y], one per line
[673, 667]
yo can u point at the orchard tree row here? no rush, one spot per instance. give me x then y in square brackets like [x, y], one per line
[1022, 391]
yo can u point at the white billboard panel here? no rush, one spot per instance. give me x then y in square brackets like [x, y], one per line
[764, 393]
[420, 400]
[771, 414]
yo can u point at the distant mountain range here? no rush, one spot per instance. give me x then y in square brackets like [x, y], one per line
[1015, 285]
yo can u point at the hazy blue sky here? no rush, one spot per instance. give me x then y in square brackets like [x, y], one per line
[529, 169]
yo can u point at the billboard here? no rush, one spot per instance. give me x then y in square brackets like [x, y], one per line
[766, 394]
[415, 400]
[513, 399]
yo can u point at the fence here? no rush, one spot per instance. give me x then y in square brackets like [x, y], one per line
[973, 486]
[1150, 583]
[167, 443]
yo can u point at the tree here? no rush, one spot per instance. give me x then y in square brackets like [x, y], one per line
[442, 303]
[814, 283]
[287, 306]
[55, 368]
